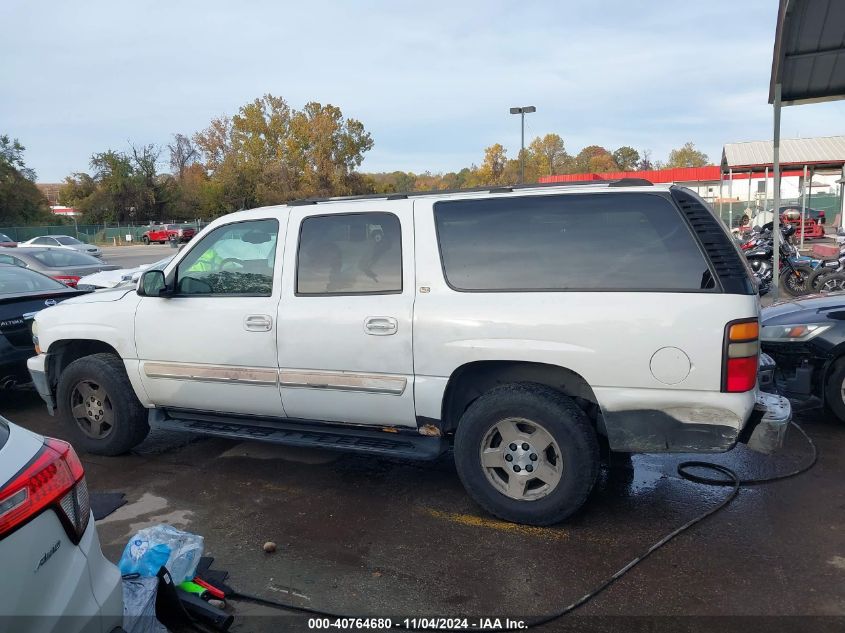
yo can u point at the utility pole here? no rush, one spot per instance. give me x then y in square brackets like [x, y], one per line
[522, 111]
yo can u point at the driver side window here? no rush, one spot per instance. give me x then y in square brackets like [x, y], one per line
[236, 259]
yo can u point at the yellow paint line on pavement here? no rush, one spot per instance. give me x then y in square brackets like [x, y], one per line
[471, 520]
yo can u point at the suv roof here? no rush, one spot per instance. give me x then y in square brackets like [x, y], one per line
[598, 184]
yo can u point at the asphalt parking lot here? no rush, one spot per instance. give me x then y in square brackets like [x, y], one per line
[366, 535]
[132, 256]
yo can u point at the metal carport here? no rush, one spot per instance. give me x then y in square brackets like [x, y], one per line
[808, 66]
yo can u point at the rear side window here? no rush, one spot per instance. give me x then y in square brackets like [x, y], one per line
[62, 258]
[571, 242]
[350, 253]
[14, 280]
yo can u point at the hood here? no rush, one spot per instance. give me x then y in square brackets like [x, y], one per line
[101, 296]
[110, 278]
[809, 309]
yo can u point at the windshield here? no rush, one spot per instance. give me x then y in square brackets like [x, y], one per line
[60, 259]
[67, 241]
[5, 238]
[15, 280]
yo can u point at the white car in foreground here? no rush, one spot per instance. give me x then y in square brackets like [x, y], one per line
[55, 577]
[63, 241]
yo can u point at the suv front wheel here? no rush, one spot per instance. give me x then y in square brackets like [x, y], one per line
[98, 406]
[527, 454]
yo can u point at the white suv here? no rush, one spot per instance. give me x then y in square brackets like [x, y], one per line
[527, 327]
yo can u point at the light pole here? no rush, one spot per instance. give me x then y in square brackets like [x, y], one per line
[522, 112]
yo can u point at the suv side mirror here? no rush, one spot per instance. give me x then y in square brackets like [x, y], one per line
[152, 284]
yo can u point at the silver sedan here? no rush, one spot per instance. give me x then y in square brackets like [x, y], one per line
[62, 241]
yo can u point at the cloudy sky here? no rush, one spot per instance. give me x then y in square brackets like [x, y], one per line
[431, 81]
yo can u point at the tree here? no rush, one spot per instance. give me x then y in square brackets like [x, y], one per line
[492, 170]
[183, 153]
[269, 153]
[21, 202]
[626, 158]
[594, 158]
[548, 154]
[687, 156]
[645, 163]
[11, 155]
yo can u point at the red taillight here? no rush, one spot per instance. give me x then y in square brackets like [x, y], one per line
[54, 477]
[741, 349]
[68, 280]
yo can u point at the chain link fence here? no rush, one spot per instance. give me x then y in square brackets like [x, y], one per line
[732, 212]
[90, 233]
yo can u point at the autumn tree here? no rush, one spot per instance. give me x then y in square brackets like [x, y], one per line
[269, 153]
[687, 156]
[492, 169]
[626, 158]
[548, 154]
[594, 158]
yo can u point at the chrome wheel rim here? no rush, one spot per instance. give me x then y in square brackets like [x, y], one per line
[832, 285]
[92, 409]
[521, 459]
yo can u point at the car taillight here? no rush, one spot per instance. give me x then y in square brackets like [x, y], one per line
[741, 349]
[53, 478]
[68, 280]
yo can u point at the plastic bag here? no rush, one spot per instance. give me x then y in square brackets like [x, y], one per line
[139, 606]
[162, 545]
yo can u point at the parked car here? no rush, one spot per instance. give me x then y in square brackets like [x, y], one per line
[806, 338]
[498, 322]
[22, 294]
[165, 232]
[6, 241]
[55, 576]
[118, 277]
[62, 241]
[63, 265]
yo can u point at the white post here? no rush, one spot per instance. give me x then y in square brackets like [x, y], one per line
[766, 192]
[803, 206]
[731, 198]
[842, 199]
[776, 196]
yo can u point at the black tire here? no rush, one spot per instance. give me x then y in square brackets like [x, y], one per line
[815, 281]
[145, 239]
[834, 282]
[796, 283]
[834, 399]
[129, 424]
[558, 416]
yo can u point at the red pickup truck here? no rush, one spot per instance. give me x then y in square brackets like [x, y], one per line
[165, 232]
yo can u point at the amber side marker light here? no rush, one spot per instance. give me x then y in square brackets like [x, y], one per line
[739, 358]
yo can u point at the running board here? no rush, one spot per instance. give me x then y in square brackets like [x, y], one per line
[305, 434]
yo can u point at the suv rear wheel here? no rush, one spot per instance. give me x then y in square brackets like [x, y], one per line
[98, 405]
[526, 453]
[145, 239]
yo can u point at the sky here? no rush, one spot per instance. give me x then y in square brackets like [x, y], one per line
[431, 81]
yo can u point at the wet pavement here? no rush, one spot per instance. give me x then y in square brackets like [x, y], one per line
[383, 537]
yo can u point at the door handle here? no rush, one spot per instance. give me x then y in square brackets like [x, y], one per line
[380, 326]
[258, 323]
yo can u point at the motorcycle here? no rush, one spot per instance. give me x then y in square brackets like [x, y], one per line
[795, 270]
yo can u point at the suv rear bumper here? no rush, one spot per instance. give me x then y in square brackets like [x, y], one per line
[765, 431]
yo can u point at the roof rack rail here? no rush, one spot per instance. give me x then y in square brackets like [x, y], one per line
[630, 182]
[402, 195]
